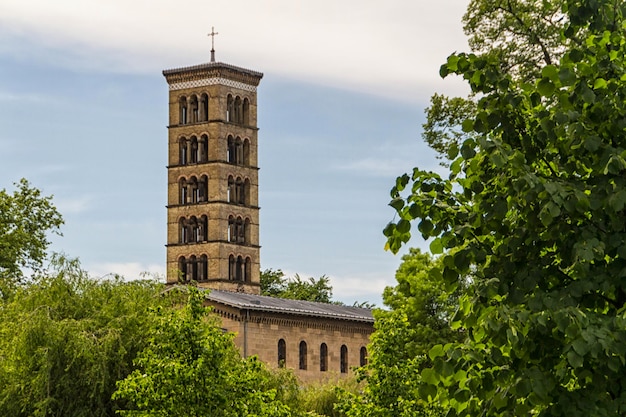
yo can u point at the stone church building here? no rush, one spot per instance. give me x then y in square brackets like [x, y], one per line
[213, 228]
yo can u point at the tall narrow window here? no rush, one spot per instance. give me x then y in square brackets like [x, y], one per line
[182, 117]
[183, 191]
[246, 112]
[363, 356]
[282, 353]
[230, 107]
[194, 108]
[204, 149]
[248, 270]
[343, 366]
[182, 269]
[193, 157]
[246, 152]
[323, 357]
[202, 268]
[240, 265]
[183, 157]
[238, 110]
[204, 107]
[231, 267]
[303, 355]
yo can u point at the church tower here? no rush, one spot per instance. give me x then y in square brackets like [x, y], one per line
[212, 190]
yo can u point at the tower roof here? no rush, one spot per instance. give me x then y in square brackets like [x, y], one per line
[212, 73]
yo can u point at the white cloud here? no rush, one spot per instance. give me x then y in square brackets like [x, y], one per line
[73, 205]
[29, 97]
[374, 167]
[391, 48]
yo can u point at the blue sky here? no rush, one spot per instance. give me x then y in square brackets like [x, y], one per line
[83, 110]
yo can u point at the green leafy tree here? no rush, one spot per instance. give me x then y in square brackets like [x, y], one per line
[524, 35]
[192, 368]
[275, 284]
[25, 219]
[417, 319]
[534, 212]
[65, 340]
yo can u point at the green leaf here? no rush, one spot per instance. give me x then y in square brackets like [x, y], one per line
[599, 84]
[545, 87]
[574, 359]
[436, 246]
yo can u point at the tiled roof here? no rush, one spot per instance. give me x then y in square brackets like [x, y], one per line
[210, 65]
[297, 307]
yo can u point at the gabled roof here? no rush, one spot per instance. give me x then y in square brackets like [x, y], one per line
[296, 307]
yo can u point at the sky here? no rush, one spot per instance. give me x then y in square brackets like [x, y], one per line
[83, 115]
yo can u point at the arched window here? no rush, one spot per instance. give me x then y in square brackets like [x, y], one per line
[204, 107]
[245, 160]
[203, 226]
[232, 232]
[282, 353]
[230, 192]
[246, 192]
[203, 188]
[248, 270]
[193, 154]
[246, 112]
[245, 235]
[238, 118]
[203, 146]
[202, 268]
[183, 193]
[182, 152]
[192, 190]
[231, 267]
[323, 357]
[192, 268]
[182, 269]
[238, 151]
[302, 355]
[240, 192]
[230, 108]
[182, 106]
[182, 231]
[363, 356]
[343, 365]
[193, 104]
[240, 268]
[230, 153]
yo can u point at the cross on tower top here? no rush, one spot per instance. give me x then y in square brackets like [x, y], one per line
[212, 35]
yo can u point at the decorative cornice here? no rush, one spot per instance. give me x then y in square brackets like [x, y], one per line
[211, 74]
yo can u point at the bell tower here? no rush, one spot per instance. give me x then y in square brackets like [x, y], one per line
[212, 171]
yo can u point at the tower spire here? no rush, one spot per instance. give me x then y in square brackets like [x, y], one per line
[212, 35]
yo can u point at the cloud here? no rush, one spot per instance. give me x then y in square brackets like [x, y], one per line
[374, 167]
[391, 49]
[73, 205]
[128, 270]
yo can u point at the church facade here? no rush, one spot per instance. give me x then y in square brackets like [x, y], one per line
[213, 228]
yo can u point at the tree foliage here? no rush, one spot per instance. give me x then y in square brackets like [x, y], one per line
[192, 368]
[25, 219]
[417, 319]
[523, 35]
[275, 284]
[534, 212]
[66, 339]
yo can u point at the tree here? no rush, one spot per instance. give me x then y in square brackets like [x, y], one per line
[192, 368]
[25, 219]
[417, 319]
[65, 340]
[524, 35]
[534, 212]
[274, 284]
